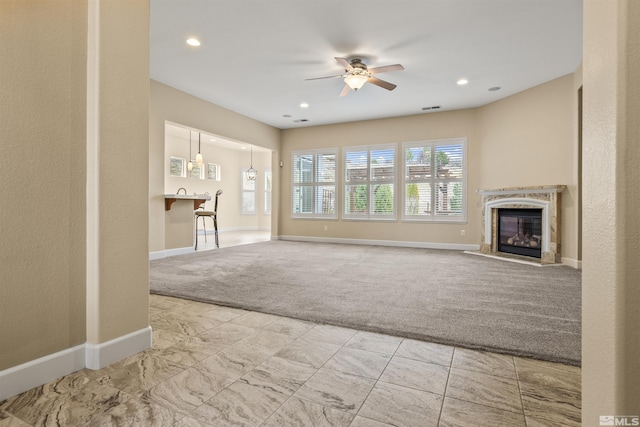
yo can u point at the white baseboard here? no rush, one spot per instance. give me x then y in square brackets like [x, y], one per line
[171, 252]
[35, 373]
[397, 243]
[572, 262]
[190, 249]
[21, 378]
[210, 230]
[100, 355]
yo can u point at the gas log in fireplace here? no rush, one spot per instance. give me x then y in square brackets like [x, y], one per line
[520, 231]
[536, 228]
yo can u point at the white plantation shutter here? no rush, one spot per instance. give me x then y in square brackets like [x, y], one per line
[370, 182]
[313, 191]
[434, 181]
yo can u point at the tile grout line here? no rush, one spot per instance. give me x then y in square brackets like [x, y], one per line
[524, 415]
[446, 386]
[377, 381]
[196, 364]
[316, 371]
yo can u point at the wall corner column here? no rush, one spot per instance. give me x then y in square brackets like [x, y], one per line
[117, 255]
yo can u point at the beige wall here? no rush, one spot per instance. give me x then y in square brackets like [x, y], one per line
[415, 128]
[611, 175]
[171, 105]
[42, 283]
[526, 139]
[68, 231]
[117, 180]
[530, 139]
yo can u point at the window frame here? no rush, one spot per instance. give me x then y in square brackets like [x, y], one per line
[370, 182]
[268, 191]
[433, 217]
[181, 167]
[196, 173]
[244, 190]
[314, 184]
[216, 176]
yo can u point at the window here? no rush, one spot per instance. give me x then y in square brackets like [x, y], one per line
[313, 191]
[176, 167]
[213, 171]
[196, 172]
[370, 182]
[267, 192]
[435, 180]
[248, 195]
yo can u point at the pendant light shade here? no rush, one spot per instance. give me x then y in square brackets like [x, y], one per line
[199, 155]
[252, 173]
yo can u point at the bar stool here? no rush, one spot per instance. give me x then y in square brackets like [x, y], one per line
[208, 214]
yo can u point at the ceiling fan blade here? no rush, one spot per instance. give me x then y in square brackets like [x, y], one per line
[345, 90]
[326, 77]
[344, 63]
[381, 83]
[386, 69]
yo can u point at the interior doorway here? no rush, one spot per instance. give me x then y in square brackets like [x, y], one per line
[244, 205]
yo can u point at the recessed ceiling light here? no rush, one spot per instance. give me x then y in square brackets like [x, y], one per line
[462, 82]
[493, 89]
[212, 139]
[304, 105]
[193, 42]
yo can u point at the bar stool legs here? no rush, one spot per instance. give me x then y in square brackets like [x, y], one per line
[204, 215]
[211, 214]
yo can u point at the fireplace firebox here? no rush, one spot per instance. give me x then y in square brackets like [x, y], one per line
[520, 232]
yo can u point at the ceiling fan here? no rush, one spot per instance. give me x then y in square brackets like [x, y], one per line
[357, 74]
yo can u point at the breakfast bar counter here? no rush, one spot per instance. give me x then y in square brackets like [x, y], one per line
[198, 199]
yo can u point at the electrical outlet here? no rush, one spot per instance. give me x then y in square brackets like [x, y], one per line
[326, 227]
[462, 232]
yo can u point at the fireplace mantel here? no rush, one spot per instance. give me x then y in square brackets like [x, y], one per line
[545, 197]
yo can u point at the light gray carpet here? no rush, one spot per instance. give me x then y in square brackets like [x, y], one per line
[442, 296]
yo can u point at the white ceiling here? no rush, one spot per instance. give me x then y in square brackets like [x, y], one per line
[256, 54]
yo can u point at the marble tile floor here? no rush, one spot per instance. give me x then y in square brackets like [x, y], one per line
[217, 366]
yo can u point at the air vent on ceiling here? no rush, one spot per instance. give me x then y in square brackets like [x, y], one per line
[300, 121]
[435, 107]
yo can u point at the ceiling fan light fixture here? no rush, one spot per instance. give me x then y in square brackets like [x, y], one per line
[356, 81]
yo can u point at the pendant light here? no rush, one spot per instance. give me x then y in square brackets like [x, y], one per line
[190, 164]
[252, 174]
[199, 155]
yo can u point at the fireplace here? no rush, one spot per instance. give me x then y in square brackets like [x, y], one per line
[520, 232]
[531, 223]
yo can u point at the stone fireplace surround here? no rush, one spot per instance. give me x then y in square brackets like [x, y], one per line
[547, 198]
